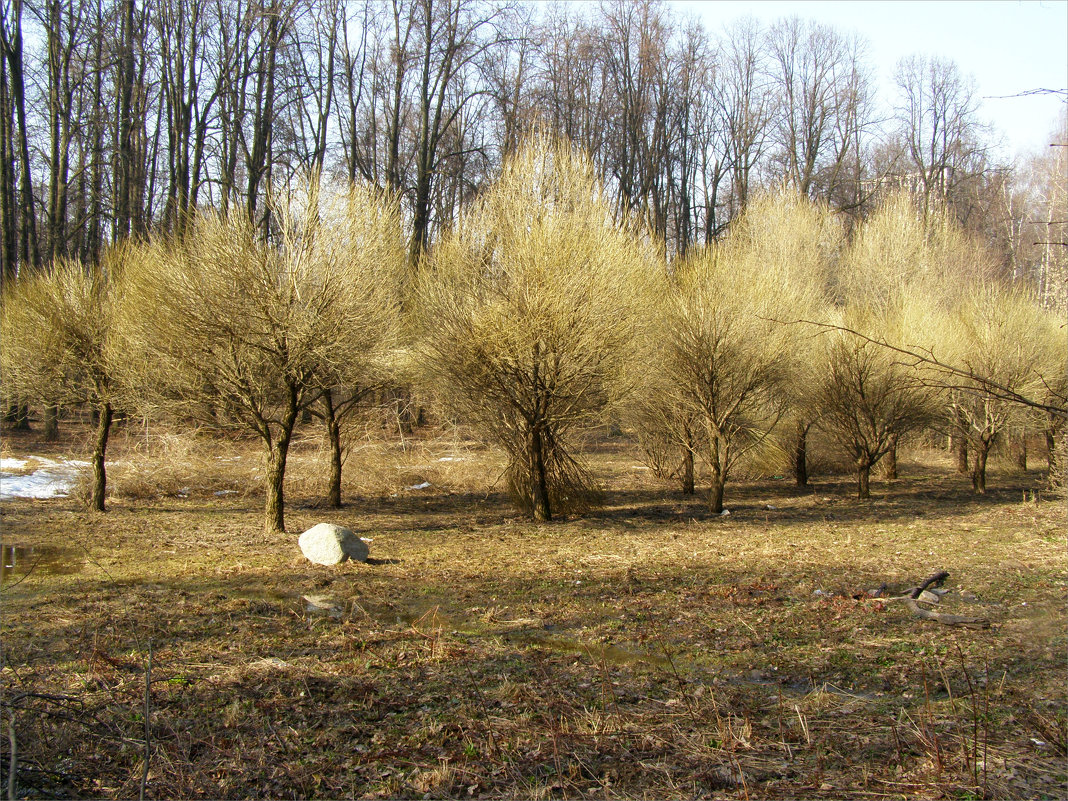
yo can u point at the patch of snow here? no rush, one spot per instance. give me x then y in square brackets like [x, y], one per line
[451, 459]
[12, 464]
[220, 493]
[52, 481]
[770, 507]
[638, 467]
[424, 485]
[725, 513]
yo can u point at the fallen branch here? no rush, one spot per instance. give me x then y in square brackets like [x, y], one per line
[974, 382]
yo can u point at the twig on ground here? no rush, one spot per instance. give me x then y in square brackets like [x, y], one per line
[148, 713]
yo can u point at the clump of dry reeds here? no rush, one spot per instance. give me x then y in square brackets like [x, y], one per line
[160, 462]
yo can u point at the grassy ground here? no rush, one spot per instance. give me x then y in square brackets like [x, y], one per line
[645, 650]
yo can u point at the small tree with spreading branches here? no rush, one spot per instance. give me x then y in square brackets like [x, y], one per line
[376, 249]
[1004, 335]
[869, 400]
[526, 313]
[721, 352]
[228, 326]
[59, 344]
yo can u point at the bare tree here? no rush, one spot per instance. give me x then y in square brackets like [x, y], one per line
[222, 321]
[526, 312]
[131, 141]
[453, 34]
[869, 401]
[59, 344]
[745, 106]
[570, 90]
[20, 229]
[938, 126]
[823, 105]
[722, 352]
[9, 214]
[316, 82]
[184, 30]
[1004, 335]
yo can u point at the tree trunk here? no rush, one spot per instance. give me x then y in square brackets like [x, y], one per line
[890, 459]
[800, 460]
[687, 472]
[1051, 447]
[18, 414]
[715, 492]
[863, 480]
[100, 446]
[979, 469]
[717, 474]
[9, 207]
[28, 251]
[1019, 452]
[960, 448]
[540, 488]
[274, 512]
[51, 423]
[333, 429]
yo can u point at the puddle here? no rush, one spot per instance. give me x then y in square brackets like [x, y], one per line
[323, 605]
[18, 560]
[598, 652]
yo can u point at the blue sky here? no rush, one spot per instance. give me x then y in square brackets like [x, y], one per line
[1007, 46]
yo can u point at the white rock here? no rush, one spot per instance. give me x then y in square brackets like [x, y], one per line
[327, 544]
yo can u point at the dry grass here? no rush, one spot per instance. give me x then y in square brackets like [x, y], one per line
[645, 650]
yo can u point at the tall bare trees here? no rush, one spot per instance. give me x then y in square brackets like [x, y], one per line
[823, 109]
[19, 226]
[938, 126]
[206, 102]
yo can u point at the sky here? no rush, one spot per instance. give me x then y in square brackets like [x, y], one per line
[1007, 46]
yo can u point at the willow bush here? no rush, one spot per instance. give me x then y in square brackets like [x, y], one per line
[526, 315]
